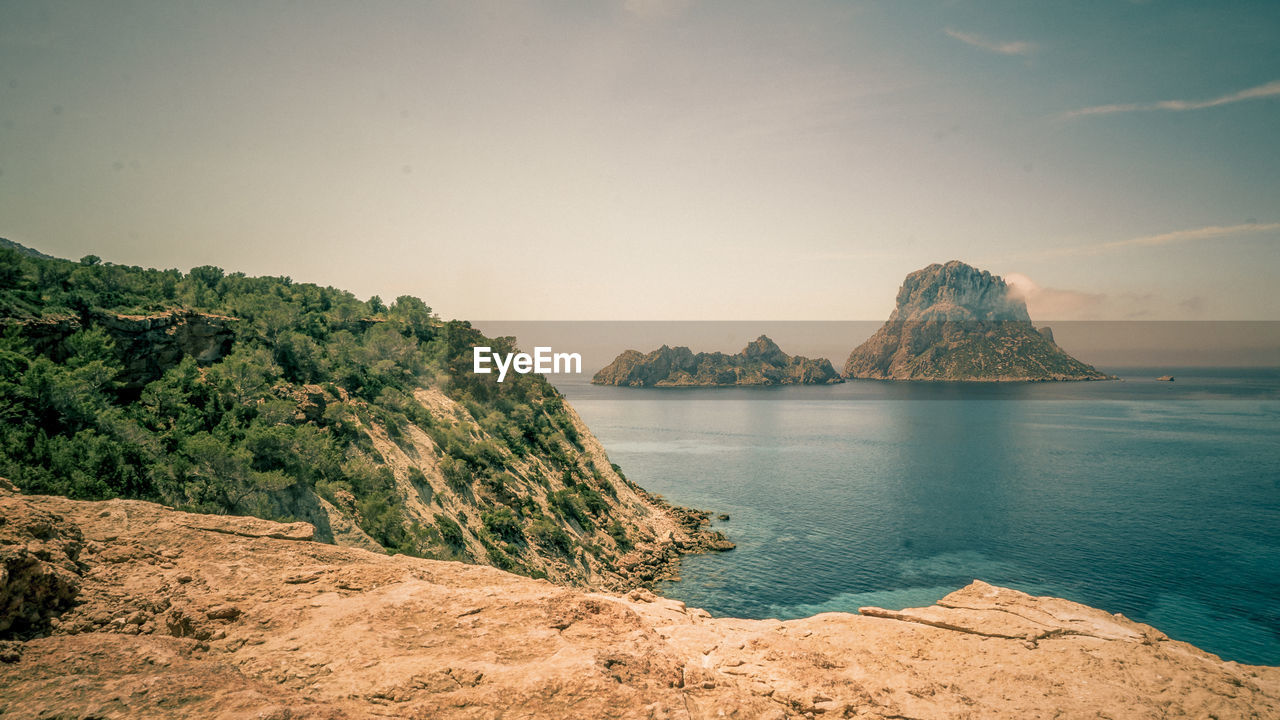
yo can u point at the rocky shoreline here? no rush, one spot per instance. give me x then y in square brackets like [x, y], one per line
[660, 562]
[129, 609]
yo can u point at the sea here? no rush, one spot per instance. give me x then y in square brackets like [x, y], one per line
[1158, 500]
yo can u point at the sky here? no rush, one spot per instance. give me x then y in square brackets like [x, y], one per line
[660, 159]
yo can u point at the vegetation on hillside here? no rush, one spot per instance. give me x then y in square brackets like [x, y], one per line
[228, 436]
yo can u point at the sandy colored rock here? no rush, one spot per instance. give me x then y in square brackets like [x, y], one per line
[267, 627]
[39, 568]
[249, 527]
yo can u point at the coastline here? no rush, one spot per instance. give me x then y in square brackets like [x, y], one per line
[676, 531]
[189, 616]
[840, 495]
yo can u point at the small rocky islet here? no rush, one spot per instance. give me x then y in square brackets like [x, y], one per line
[761, 362]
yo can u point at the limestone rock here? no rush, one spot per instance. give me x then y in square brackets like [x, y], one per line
[989, 611]
[248, 526]
[39, 572]
[956, 292]
[955, 322]
[275, 628]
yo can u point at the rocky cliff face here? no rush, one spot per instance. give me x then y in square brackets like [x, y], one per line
[590, 527]
[955, 322]
[956, 292]
[761, 362]
[584, 524]
[146, 345]
[39, 566]
[193, 616]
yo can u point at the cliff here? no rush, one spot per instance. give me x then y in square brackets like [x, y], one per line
[139, 611]
[145, 345]
[221, 393]
[761, 362]
[580, 523]
[955, 322]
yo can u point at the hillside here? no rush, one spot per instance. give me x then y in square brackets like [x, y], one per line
[761, 362]
[132, 610]
[955, 322]
[6, 244]
[216, 392]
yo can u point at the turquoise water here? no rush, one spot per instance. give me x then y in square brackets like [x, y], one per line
[1160, 501]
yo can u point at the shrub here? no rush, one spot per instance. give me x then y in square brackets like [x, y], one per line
[456, 474]
[381, 518]
[421, 484]
[568, 504]
[503, 523]
[619, 535]
[450, 533]
[549, 535]
[496, 555]
[592, 500]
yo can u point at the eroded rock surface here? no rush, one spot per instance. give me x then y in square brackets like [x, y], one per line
[39, 572]
[182, 619]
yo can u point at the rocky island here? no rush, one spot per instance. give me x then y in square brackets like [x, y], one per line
[954, 322]
[124, 608]
[761, 362]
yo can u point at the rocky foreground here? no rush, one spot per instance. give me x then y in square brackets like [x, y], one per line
[126, 609]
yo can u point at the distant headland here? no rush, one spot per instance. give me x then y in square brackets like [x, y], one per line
[761, 362]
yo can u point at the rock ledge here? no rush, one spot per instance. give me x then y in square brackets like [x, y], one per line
[174, 616]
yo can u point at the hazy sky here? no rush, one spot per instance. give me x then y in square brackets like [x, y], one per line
[659, 159]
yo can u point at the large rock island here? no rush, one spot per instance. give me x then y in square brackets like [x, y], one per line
[761, 362]
[126, 609]
[955, 322]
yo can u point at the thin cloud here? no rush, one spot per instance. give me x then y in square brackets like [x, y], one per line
[1055, 303]
[858, 255]
[1271, 89]
[1003, 47]
[1211, 232]
[651, 9]
[1047, 304]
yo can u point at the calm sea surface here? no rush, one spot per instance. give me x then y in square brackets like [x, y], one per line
[1157, 500]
